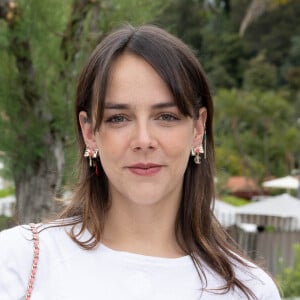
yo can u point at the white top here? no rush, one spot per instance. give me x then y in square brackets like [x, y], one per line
[68, 272]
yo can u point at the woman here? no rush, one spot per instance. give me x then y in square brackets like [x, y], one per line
[139, 224]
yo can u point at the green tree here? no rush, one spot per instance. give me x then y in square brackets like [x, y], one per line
[256, 133]
[260, 74]
[291, 66]
[273, 32]
[31, 94]
[224, 56]
[185, 19]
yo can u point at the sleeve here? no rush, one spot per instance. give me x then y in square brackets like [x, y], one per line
[16, 254]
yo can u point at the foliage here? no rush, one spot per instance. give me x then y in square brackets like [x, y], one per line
[273, 32]
[208, 30]
[212, 29]
[290, 277]
[24, 122]
[260, 74]
[117, 12]
[253, 129]
[291, 68]
[223, 53]
[185, 18]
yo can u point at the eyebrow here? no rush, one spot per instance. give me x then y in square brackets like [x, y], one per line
[127, 106]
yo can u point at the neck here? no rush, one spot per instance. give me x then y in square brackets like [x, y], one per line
[142, 229]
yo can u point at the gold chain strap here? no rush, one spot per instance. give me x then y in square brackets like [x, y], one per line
[35, 237]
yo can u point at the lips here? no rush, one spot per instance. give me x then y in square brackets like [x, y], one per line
[145, 169]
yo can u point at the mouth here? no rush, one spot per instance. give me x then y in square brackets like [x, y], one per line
[142, 169]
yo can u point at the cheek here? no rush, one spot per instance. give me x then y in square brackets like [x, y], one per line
[112, 146]
[178, 144]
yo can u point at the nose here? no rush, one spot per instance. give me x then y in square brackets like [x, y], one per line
[143, 137]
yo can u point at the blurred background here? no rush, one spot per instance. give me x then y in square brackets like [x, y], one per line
[250, 50]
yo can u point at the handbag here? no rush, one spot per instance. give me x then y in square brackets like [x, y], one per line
[35, 238]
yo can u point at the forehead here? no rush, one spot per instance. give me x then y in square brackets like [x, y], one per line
[132, 79]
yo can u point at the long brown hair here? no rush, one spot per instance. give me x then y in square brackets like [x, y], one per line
[198, 232]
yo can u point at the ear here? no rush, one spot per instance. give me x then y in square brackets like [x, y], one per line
[87, 130]
[199, 127]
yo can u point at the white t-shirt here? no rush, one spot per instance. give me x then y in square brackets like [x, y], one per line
[68, 272]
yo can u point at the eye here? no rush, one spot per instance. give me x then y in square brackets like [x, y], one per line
[168, 117]
[116, 119]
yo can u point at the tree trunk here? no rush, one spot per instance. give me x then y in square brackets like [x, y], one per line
[35, 190]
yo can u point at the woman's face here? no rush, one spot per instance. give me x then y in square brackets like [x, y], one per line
[144, 141]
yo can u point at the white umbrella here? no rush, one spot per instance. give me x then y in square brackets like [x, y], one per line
[287, 182]
[283, 205]
[275, 210]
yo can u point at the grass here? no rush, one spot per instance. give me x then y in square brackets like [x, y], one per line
[235, 201]
[7, 192]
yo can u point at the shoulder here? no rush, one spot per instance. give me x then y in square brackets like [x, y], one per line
[253, 277]
[16, 244]
[257, 280]
[19, 240]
